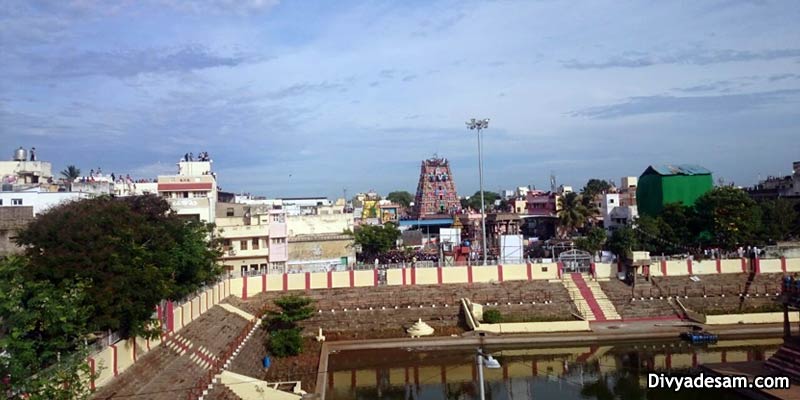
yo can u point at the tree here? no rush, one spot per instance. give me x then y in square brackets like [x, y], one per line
[400, 197]
[779, 220]
[622, 242]
[572, 214]
[680, 227]
[673, 231]
[42, 326]
[506, 205]
[132, 251]
[71, 173]
[474, 201]
[590, 208]
[595, 187]
[376, 239]
[729, 217]
[588, 195]
[593, 241]
[649, 234]
[285, 337]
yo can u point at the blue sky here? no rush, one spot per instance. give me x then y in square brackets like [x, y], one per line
[297, 98]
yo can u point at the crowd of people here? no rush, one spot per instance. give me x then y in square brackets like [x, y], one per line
[402, 256]
[98, 176]
[791, 283]
[201, 156]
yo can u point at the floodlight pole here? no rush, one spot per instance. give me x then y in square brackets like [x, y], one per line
[481, 390]
[480, 125]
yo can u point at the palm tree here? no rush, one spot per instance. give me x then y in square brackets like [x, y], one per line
[588, 203]
[71, 173]
[573, 213]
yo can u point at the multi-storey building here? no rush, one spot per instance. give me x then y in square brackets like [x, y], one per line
[192, 192]
[320, 242]
[614, 213]
[542, 204]
[253, 237]
[22, 170]
[778, 186]
[436, 190]
[627, 190]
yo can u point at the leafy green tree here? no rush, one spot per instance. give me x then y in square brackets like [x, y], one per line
[590, 208]
[588, 195]
[729, 216]
[680, 226]
[622, 242]
[376, 239]
[71, 173]
[489, 198]
[400, 197]
[573, 214]
[649, 233]
[779, 220]
[42, 327]
[133, 251]
[285, 336]
[673, 231]
[593, 241]
[595, 186]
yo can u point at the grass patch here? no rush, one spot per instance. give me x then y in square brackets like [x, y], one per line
[494, 316]
[747, 309]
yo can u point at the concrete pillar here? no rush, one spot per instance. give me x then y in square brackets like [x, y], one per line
[787, 329]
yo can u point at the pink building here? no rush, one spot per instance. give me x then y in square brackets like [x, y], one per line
[541, 203]
[278, 248]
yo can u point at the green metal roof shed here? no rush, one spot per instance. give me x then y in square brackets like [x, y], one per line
[660, 185]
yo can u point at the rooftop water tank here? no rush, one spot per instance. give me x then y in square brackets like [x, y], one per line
[20, 154]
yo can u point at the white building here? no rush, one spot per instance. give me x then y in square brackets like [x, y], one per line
[39, 200]
[20, 171]
[614, 213]
[193, 192]
[305, 205]
[131, 188]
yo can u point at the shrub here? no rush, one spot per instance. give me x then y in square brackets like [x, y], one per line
[285, 342]
[492, 316]
[284, 334]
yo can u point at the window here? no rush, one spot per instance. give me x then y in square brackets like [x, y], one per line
[278, 240]
[611, 201]
[226, 245]
[255, 243]
[229, 212]
[16, 202]
[243, 244]
[1, 202]
[185, 195]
